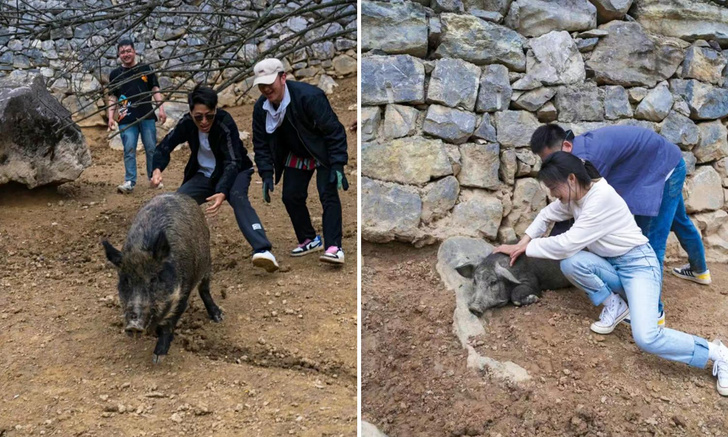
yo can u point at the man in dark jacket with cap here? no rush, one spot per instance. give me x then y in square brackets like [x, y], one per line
[218, 169]
[295, 132]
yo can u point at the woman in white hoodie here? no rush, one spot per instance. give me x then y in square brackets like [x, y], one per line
[606, 255]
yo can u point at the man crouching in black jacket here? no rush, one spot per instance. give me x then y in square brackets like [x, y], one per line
[295, 132]
[219, 168]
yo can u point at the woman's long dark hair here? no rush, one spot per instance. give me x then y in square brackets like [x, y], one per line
[557, 167]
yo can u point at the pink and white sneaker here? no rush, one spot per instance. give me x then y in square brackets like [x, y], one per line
[333, 255]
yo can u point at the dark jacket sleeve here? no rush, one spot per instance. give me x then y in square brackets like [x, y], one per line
[231, 148]
[262, 150]
[329, 125]
[177, 136]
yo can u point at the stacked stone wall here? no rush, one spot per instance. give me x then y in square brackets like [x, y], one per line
[453, 89]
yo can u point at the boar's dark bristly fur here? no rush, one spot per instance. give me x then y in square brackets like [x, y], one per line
[165, 256]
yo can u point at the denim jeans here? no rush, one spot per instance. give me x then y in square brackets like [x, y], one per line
[129, 138]
[636, 276]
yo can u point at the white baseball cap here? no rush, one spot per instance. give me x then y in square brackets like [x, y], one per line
[266, 71]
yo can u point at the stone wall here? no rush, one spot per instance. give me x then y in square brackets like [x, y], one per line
[67, 56]
[453, 89]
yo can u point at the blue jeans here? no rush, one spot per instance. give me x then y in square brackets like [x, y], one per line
[129, 138]
[673, 216]
[636, 276]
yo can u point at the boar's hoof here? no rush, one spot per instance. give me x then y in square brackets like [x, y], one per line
[216, 316]
[531, 298]
[516, 303]
[157, 359]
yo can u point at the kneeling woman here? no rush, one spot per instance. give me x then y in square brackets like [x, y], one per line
[620, 264]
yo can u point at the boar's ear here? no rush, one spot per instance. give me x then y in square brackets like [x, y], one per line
[112, 253]
[466, 270]
[160, 250]
[504, 273]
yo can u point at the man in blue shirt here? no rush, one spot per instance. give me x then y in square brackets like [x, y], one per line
[648, 172]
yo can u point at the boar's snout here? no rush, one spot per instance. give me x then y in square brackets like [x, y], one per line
[476, 310]
[134, 323]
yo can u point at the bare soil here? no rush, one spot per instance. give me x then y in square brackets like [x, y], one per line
[283, 362]
[415, 381]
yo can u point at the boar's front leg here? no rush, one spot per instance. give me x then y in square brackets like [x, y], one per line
[212, 310]
[165, 331]
[525, 294]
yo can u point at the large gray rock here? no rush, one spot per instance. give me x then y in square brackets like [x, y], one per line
[579, 103]
[486, 130]
[704, 63]
[630, 57]
[532, 100]
[703, 190]
[439, 197]
[411, 160]
[84, 111]
[528, 200]
[686, 19]
[369, 430]
[608, 10]
[370, 118]
[721, 166]
[498, 6]
[713, 144]
[480, 42]
[40, 144]
[392, 79]
[454, 83]
[706, 102]
[515, 128]
[447, 6]
[547, 113]
[690, 162]
[449, 124]
[396, 28]
[555, 60]
[538, 17]
[527, 163]
[656, 105]
[495, 89]
[508, 166]
[478, 214]
[616, 103]
[389, 211]
[400, 121]
[680, 130]
[480, 164]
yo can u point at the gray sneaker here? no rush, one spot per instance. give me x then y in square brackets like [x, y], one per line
[125, 188]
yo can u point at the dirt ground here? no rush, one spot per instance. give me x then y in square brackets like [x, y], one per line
[415, 381]
[283, 362]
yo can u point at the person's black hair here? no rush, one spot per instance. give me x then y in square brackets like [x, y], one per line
[202, 94]
[547, 136]
[557, 167]
[124, 42]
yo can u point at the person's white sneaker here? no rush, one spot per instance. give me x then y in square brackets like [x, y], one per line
[720, 368]
[615, 310]
[125, 188]
[333, 255]
[265, 260]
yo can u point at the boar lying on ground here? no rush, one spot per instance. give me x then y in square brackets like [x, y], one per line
[495, 282]
[166, 255]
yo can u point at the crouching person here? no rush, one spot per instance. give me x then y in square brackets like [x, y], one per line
[218, 169]
[620, 269]
[295, 132]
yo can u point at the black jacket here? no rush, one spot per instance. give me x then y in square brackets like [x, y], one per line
[230, 155]
[316, 123]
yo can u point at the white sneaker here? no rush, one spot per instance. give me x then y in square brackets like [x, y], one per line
[125, 188]
[685, 272]
[615, 310]
[720, 368]
[265, 260]
[333, 255]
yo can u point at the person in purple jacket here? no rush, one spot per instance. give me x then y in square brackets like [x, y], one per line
[648, 172]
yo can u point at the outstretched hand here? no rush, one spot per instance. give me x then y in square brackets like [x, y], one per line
[216, 200]
[156, 178]
[513, 250]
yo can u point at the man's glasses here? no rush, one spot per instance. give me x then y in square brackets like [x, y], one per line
[569, 136]
[208, 116]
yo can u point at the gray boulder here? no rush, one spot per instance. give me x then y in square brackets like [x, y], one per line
[438, 198]
[410, 160]
[616, 103]
[480, 164]
[630, 57]
[451, 125]
[680, 130]
[515, 128]
[554, 59]
[400, 121]
[706, 102]
[690, 162]
[713, 144]
[485, 130]
[527, 163]
[528, 200]
[579, 103]
[508, 166]
[538, 17]
[656, 105]
[396, 28]
[532, 100]
[40, 143]
[480, 42]
[454, 83]
[478, 214]
[608, 10]
[498, 6]
[705, 64]
[392, 79]
[389, 211]
[495, 89]
[370, 118]
[686, 19]
[703, 190]
[547, 113]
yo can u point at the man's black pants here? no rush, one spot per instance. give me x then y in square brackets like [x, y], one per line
[199, 188]
[295, 193]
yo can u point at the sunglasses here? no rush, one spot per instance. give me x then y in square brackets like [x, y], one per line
[569, 136]
[208, 116]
